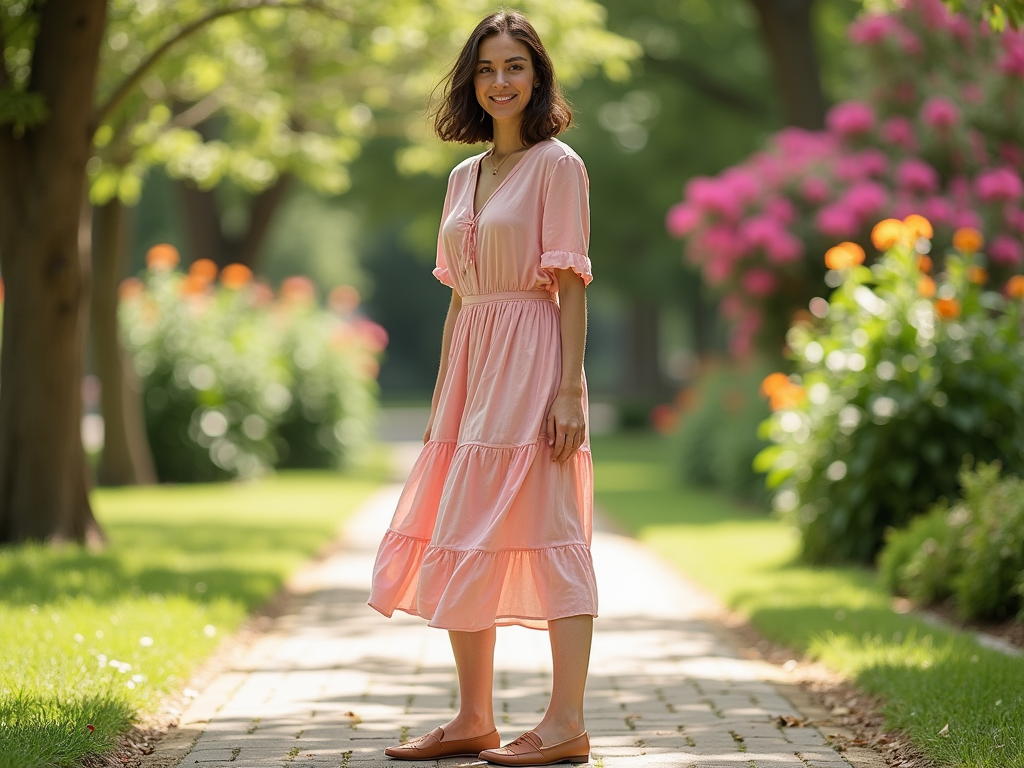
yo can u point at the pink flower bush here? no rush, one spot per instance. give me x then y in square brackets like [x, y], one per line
[935, 132]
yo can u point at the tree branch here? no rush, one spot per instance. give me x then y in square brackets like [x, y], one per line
[133, 79]
[197, 113]
[700, 80]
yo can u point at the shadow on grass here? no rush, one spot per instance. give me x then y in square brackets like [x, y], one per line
[200, 562]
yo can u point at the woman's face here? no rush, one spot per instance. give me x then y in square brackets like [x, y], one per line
[504, 77]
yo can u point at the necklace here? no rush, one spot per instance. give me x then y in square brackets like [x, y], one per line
[497, 167]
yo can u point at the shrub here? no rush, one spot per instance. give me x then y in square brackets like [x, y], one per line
[898, 378]
[937, 129]
[235, 381]
[717, 438]
[973, 551]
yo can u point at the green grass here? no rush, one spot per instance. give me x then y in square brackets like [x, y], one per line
[96, 639]
[842, 616]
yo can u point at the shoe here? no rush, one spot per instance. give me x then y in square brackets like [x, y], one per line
[528, 749]
[433, 745]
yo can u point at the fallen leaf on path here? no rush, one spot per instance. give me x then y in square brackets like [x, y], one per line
[945, 731]
[789, 721]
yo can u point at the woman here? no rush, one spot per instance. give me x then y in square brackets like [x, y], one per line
[494, 524]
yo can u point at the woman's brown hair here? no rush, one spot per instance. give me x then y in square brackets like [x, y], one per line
[460, 118]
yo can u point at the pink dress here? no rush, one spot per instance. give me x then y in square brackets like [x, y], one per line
[489, 530]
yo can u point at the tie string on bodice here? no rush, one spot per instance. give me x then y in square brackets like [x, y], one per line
[469, 230]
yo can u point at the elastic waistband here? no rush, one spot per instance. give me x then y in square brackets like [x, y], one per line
[481, 298]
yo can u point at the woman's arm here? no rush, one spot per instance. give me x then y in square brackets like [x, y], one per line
[566, 425]
[446, 346]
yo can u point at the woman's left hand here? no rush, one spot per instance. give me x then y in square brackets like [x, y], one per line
[566, 426]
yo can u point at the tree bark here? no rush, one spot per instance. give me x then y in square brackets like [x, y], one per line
[644, 378]
[787, 29]
[207, 239]
[126, 457]
[43, 478]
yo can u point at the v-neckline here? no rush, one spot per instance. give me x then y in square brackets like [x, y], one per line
[476, 181]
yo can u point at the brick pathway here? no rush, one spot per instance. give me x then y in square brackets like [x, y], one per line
[334, 683]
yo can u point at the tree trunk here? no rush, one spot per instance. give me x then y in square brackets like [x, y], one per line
[43, 479]
[788, 33]
[644, 379]
[126, 457]
[206, 238]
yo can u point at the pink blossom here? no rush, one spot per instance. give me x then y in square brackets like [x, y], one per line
[814, 190]
[960, 28]
[972, 93]
[998, 184]
[803, 144]
[759, 231]
[785, 248]
[917, 176]
[940, 113]
[909, 42]
[780, 209]
[850, 168]
[966, 218]
[900, 131]
[864, 199]
[731, 306]
[874, 161]
[836, 221]
[850, 118]
[979, 147]
[960, 190]
[759, 282]
[1011, 154]
[902, 207]
[713, 197]
[938, 210]
[1006, 250]
[718, 245]
[718, 271]
[1014, 216]
[933, 13]
[682, 219]
[740, 183]
[1011, 63]
[872, 28]
[741, 342]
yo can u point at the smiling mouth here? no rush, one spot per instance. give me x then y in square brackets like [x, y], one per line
[503, 99]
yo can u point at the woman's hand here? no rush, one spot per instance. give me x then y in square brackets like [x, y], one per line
[566, 426]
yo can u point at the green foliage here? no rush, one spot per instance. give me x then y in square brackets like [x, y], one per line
[973, 552]
[928, 676]
[998, 13]
[892, 390]
[717, 439]
[102, 638]
[918, 561]
[235, 383]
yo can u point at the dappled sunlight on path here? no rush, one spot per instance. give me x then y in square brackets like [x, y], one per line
[334, 683]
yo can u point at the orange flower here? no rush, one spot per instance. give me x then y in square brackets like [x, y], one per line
[193, 285]
[918, 226]
[924, 263]
[773, 382]
[789, 396]
[235, 276]
[130, 288]
[343, 299]
[162, 257]
[298, 290]
[977, 275]
[844, 256]
[968, 240]
[947, 308]
[1, 289]
[1015, 287]
[203, 269]
[888, 233]
[926, 287]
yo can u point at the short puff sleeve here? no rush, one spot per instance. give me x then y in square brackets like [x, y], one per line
[565, 233]
[441, 269]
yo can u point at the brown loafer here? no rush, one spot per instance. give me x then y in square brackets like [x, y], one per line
[432, 746]
[528, 749]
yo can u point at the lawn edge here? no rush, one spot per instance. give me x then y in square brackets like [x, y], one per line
[162, 739]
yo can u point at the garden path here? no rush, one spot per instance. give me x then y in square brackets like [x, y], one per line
[333, 683]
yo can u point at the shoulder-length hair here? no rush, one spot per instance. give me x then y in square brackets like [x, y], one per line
[459, 117]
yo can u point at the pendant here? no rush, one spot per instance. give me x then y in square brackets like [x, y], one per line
[494, 172]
